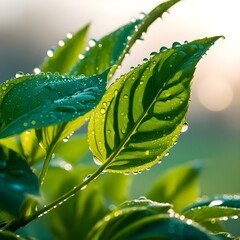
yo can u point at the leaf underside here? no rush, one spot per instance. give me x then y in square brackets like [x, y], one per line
[141, 116]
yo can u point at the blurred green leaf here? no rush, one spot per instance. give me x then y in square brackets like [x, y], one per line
[64, 57]
[142, 114]
[17, 182]
[7, 235]
[111, 49]
[179, 186]
[33, 101]
[73, 150]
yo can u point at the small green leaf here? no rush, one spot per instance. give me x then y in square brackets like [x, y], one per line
[141, 116]
[66, 55]
[111, 49]
[17, 182]
[217, 208]
[179, 186]
[34, 101]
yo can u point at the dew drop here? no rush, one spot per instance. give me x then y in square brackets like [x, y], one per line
[145, 59]
[176, 44]
[153, 54]
[25, 124]
[36, 70]
[166, 154]
[19, 74]
[133, 19]
[115, 92]
[65, 140]
[163, 49]
[141, 15]
[141, 198]
[87, 177]
[125, 96]
[33, 122]
[129, 38]
[126, 173]
[81, 56]
[50, 53]
[102, 110]
[139, 40]
[185, 42]
[61, 43]
[109, 131]
[184, 127]
[69, 35]
[97, 161]
[83, 187]
[141, 82]
[92, 42]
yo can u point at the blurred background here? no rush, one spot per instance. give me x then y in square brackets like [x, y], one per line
[29, 28]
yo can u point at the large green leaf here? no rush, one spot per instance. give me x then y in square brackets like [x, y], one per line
[179, 186]
[17, 182]
[145, 220]
[111, 49]
[33, 101]
[66, 55]
[141, 116]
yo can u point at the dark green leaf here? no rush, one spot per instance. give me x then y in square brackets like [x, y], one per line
[141, 116]
[111, 49]
[17, 182]
[40, 100]
[146, 220]
[64, 57]
[179, 186]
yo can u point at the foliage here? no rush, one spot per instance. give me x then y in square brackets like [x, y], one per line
[132, 124]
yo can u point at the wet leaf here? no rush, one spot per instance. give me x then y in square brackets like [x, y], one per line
[217, 208]
[64, 57]
[111, 49]
[34, 101]
[17, 182]
[144, 219]
[141, 116]
[7, 235]
[179, 186]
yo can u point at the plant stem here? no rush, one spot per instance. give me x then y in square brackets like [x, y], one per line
[18, 223]
[49, 154]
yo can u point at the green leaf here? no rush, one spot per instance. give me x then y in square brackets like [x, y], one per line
[7, 235]
[145, 220]
[217, 208]
[141, 116]
[17, 182]
[179, 186]
[34, 101]
[64, 57]
[111, 49]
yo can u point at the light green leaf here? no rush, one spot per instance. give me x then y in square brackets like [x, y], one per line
[17, 182]
[34, 101]
[141, 116]
[64, 57]
[179, 186]
[111, 49]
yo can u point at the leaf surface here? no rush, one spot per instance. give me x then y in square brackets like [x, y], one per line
[34, 101]
[141, 116]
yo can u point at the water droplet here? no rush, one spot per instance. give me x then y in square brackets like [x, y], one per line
[84, 187]
[176, 44]
[145, 59]
[102, 110]
[189, 221]
[133, 19]
[109, 131]
[234, 217]
[141, 82]
[87, 177]
[215, 203]
[141, 15]
[97, 161]
[87, 48]
[153, 54]
[25, 124]
[126, 173]
[115, 92]
[61, 43]
[163, 49]
[19, 74]
[129, 38]
[92, 42]
[69, 35]
[139, 40]
[185, 42]
[50, 53]
[141, 198]
[147, 152]
[81, 56]
[33, 122]
[184, 127]
[125, 96]
[36, 70]
[166, 154]
[65, 140]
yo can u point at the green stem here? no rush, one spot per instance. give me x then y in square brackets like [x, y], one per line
[18, 223]
[49, 154]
